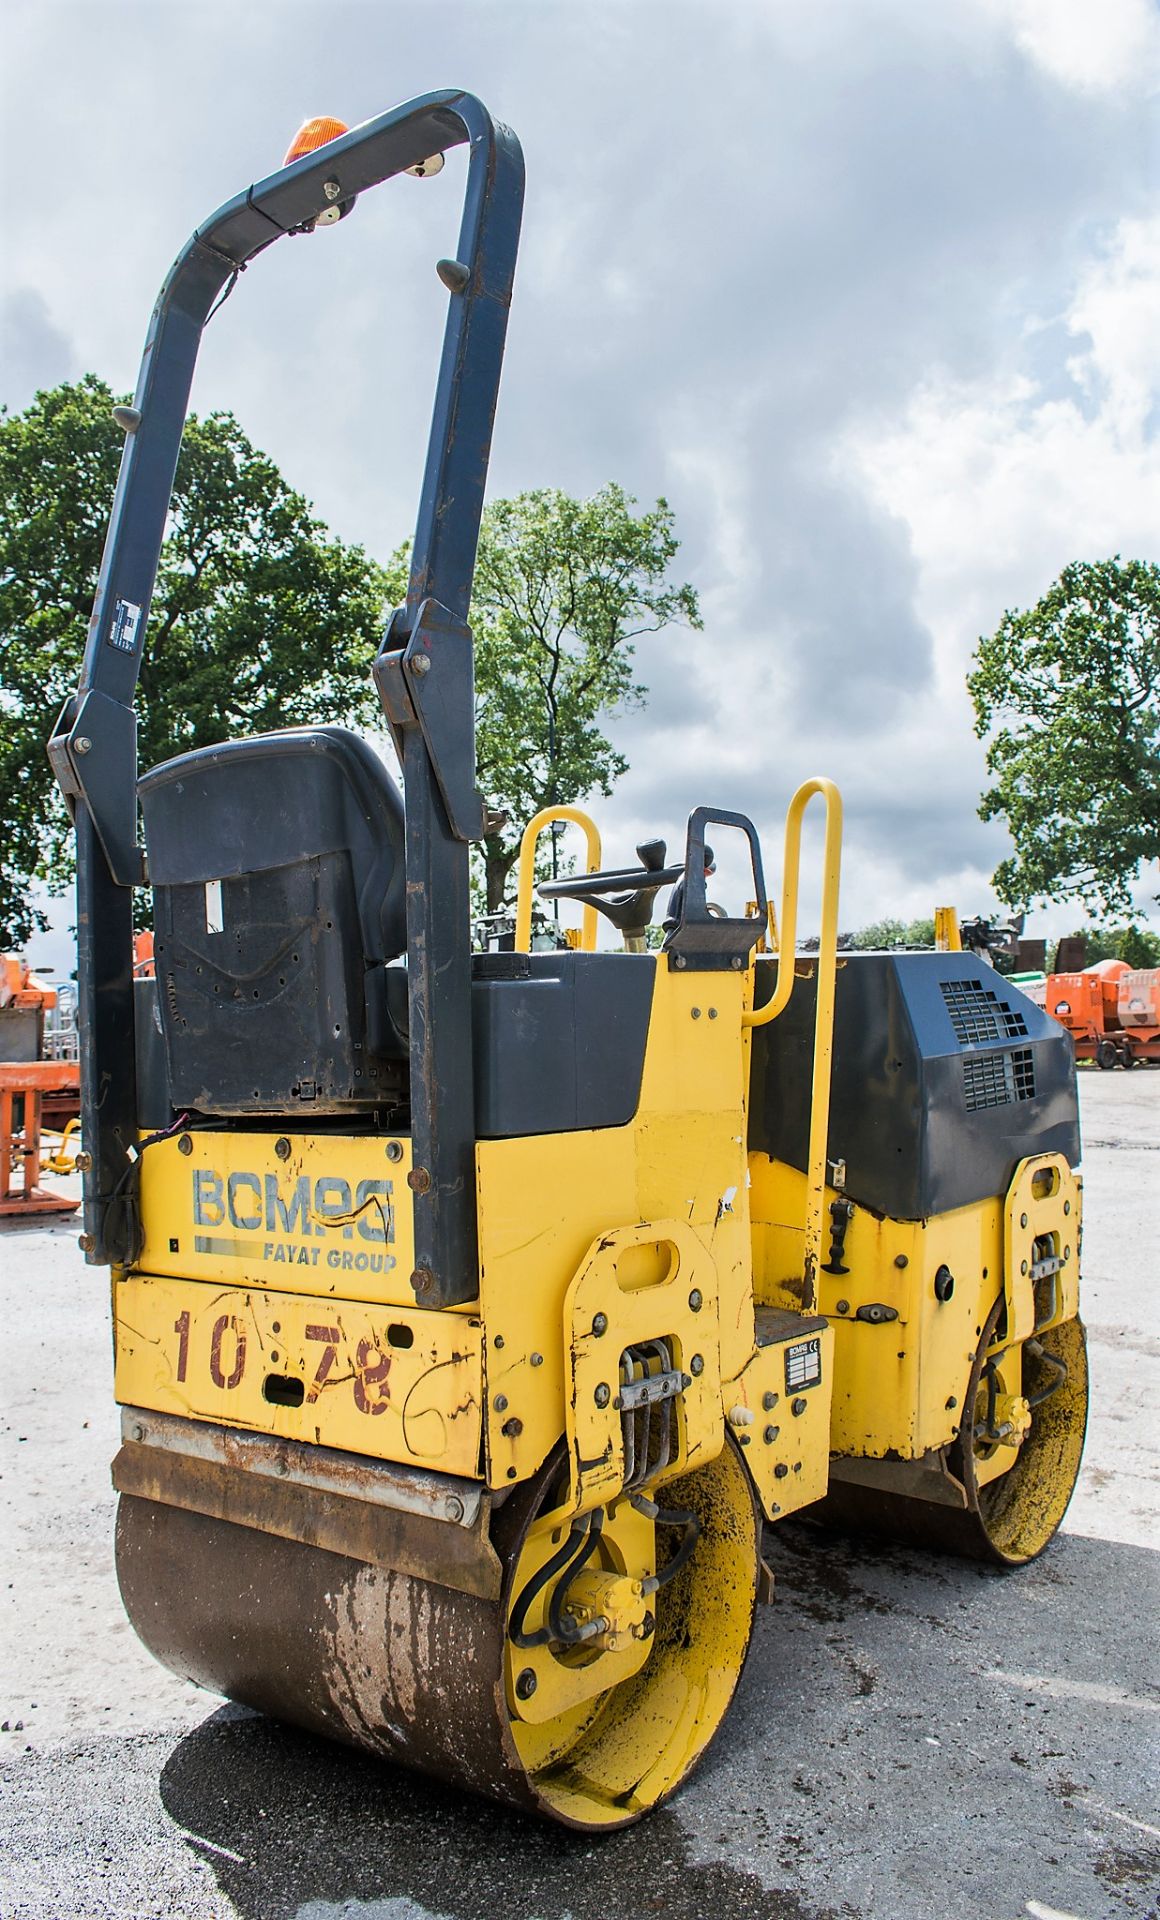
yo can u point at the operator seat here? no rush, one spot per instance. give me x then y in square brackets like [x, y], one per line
[277, 867]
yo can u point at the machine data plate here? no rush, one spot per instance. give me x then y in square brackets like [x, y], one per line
[803, 1364]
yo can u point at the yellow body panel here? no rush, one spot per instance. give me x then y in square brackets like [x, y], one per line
[899, 1380]
[544, 1200]
[782, 1422]
[1042, 1207]
[331, 1217]
[638, 1284]
[396, 1384]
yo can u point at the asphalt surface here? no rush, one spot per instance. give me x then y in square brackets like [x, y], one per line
[914, 1738]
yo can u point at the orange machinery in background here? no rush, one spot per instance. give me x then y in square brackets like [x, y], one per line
[1138, 1007]
[1111, 1010]
[24, 1085]
[34, 1092]
[24, 1000]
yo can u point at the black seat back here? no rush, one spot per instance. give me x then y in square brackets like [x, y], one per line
[277, 866]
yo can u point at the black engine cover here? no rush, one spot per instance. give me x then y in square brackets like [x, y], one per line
[945, 1077]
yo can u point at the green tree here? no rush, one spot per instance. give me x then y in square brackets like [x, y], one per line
[260, 618]
[1139, 946]
[1068, 695]
[895, 933]
[562, 589]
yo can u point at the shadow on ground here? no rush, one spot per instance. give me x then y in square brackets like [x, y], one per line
[871, 1651]
[293, 1826]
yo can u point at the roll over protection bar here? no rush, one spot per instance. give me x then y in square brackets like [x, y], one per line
[93, 748]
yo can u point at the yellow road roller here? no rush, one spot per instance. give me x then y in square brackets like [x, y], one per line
[474, 1312]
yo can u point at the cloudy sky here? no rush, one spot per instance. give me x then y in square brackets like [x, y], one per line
[868, 289]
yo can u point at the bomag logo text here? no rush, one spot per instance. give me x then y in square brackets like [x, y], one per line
[290, 1216]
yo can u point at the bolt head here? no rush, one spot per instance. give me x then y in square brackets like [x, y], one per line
[695, 1300]
[537, 1359]
[419, 1180]
[500, 1402]
[526, 1684]
[599, 1324]
[843, 1306]
[770, 1435]
[799, 1405]
[185, 1144]
[603, 1394]
[421, 663]
[394, 1149]
[454, 1507]
[769, 1401]
[282, 1148]
[82, 744]
[1022, 1219]
[696, 1365]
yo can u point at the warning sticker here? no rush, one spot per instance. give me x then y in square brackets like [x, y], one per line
[123, 627]
[803, 1364]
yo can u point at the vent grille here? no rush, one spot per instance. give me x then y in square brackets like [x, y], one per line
[998, 1079]
[977, 1013]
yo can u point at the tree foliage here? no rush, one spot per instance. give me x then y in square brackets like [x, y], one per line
[1068, 694]
[260, 618]
[884, 934]
[1139, 946]
[562, 589]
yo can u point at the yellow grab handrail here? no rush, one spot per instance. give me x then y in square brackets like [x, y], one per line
[61, 1161]
[527, 873]
[824, 1014]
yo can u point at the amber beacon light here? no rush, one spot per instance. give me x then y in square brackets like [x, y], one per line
[313, 134]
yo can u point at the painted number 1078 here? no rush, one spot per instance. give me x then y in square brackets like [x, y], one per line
[227, 1361]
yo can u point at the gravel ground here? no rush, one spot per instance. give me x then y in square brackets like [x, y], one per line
[914, 1738]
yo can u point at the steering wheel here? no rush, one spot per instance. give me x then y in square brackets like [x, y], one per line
[632, 911]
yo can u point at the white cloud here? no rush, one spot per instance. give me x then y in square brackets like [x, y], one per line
[1001, 480]
[1117, 307]
[1092, 48]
